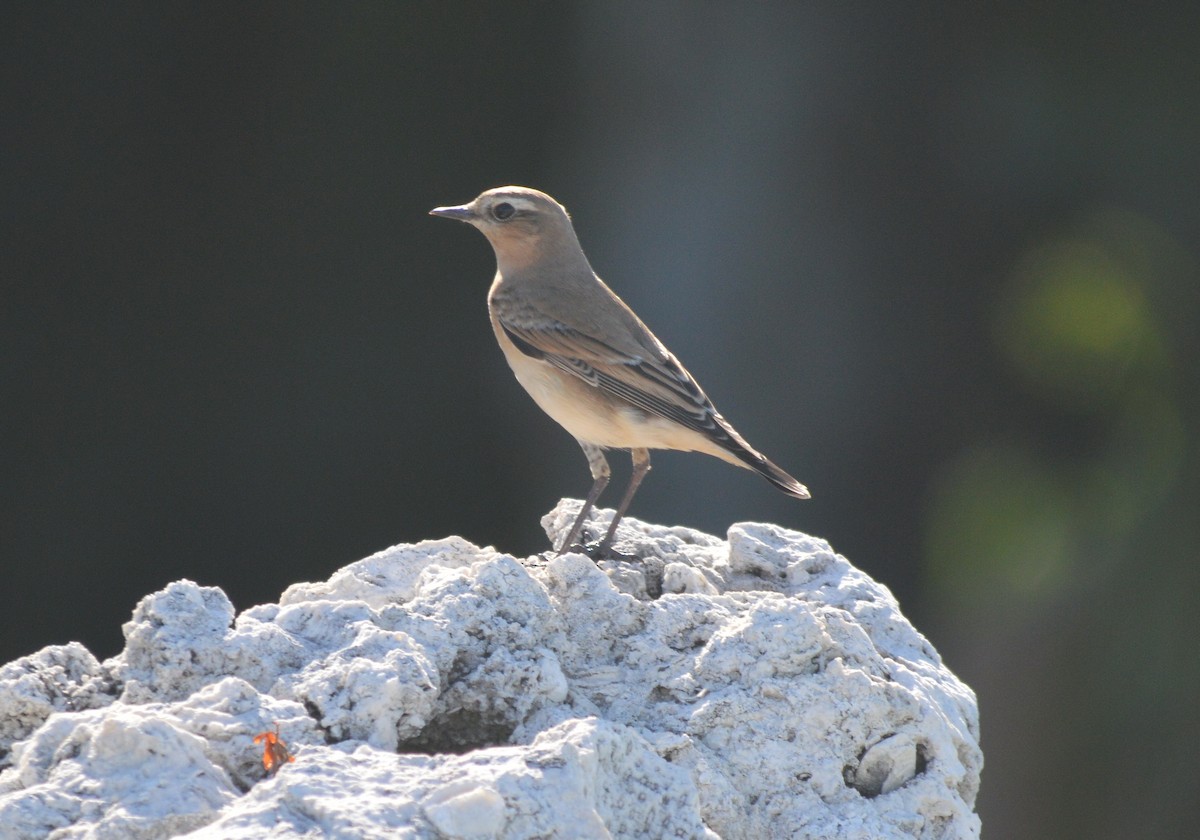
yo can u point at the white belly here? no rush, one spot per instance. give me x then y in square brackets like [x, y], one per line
[591, 416]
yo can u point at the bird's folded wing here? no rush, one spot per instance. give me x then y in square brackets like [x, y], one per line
[656, 383]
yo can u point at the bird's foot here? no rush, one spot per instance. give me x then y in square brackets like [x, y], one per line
[599, 551]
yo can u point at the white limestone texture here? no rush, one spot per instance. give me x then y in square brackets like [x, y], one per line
[754, 687]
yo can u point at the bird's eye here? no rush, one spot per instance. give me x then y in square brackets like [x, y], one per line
[503, 211]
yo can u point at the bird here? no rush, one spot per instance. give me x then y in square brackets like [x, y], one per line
[587, 360]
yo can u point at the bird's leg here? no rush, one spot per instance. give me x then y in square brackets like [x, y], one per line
[641, 466]
[601, 473]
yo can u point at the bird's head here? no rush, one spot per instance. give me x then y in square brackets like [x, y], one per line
[524, 225]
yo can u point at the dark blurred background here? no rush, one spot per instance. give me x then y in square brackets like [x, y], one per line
[940, 264]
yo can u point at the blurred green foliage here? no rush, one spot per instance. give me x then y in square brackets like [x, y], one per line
[1065, 544]
[1077, 323]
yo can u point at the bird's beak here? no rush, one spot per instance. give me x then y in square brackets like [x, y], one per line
[464, 212]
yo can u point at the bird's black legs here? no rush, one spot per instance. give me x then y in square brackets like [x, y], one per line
[601, 473]
[600, 478]
[641, 466]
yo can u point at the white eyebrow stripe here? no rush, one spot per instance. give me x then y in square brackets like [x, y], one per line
[518, 202]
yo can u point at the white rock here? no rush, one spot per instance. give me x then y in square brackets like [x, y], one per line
[466, 809]
[380, 688]
[386, 577]
[582, 779]
[111, 773]
[55, 679]
[179, 639]
[749, 688]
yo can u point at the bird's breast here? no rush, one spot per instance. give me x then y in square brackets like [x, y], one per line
[573, 404]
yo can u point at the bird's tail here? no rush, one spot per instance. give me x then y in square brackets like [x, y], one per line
[734, 449]
[772, 473]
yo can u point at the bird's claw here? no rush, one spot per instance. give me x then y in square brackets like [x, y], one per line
[598, 551]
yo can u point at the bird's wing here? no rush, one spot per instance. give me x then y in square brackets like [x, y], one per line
[654, 381]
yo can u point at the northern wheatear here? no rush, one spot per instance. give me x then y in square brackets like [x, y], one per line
[586, 359]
